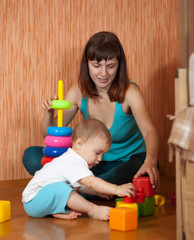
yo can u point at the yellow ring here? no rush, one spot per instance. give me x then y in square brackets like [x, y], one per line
[159, 200]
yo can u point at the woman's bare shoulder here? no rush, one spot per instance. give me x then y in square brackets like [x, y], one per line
[74, 94]
[132, 91]
[74, 90]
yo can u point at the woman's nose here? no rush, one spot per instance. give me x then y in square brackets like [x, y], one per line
[103, 71]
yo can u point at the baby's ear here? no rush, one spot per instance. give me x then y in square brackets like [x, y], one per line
[79, 142]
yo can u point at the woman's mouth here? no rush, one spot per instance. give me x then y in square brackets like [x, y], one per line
[103, 80]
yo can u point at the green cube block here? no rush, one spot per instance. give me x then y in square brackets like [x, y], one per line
[148, 207]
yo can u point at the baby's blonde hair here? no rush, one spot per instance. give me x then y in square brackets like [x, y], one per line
[90, 128]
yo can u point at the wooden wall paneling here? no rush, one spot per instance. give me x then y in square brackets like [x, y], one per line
[186, 31]
[183, 33]
[41, 42]
[191, 26]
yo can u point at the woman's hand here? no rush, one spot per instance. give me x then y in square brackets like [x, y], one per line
[152, 171]
[48, 103]
[48, 116]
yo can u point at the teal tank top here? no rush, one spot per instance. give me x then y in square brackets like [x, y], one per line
[126, 136]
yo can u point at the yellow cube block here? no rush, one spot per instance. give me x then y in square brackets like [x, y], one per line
[123, 219]
[120, 204]
[5, 211]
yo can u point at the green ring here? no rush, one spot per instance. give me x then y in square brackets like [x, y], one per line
[60, 104]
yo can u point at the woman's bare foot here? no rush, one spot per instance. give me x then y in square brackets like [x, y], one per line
[69, 215]
[99, 212]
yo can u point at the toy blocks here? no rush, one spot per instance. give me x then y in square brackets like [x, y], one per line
[120, 204]
[144, 182]
[148, 207]
[124, 216]
[5, 211]
[123, 219]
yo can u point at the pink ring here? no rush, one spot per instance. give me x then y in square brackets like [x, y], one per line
[54, 141]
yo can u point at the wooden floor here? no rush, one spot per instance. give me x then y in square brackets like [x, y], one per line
[160, 226]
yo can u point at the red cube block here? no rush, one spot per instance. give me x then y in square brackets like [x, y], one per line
[144, 182]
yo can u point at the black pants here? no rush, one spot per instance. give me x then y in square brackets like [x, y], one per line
[113, 171]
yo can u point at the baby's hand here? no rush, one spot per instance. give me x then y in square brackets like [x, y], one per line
[47, 103]
[126, 190]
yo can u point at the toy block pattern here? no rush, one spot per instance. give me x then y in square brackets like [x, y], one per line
[5, 211]
[144, 182]
[148, 207]
[123, 219]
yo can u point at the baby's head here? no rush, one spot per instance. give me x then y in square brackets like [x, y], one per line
[91, 139]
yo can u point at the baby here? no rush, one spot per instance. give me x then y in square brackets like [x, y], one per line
[54, 189]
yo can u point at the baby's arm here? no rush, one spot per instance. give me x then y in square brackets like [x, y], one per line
[101, 186]
[89, 191]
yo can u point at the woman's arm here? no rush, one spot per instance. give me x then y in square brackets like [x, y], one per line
[49, 117]
[139, 109]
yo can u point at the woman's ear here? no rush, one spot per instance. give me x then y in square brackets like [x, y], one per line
[79, 142]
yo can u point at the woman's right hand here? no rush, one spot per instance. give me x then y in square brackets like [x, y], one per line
[48, 116]
[48, 103]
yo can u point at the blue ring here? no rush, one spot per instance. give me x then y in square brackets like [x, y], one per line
[59, 131]
[53, 151]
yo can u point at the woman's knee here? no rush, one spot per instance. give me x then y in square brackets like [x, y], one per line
[32, 159]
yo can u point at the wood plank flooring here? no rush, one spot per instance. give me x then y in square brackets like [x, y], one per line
[161, 226]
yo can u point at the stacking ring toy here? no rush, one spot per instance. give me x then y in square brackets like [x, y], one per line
[45, 160]
[59, 131]
[61, 104]
[159, 200]
[61, 142]
[53, 151]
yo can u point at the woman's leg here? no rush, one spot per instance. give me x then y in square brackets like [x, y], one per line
[32, 159]
[122, 172]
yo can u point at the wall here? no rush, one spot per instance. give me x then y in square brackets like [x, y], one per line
[41, 42]
[186, 31]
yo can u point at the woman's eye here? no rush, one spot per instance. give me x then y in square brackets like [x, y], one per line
[111, 66]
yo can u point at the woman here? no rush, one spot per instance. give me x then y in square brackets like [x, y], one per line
[104, 92]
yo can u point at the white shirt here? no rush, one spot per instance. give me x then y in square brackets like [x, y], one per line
[69, 167]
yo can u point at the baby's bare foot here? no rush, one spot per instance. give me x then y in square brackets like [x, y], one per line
[69, 215]
[99, 212]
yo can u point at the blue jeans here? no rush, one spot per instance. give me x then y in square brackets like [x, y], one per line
[111, 171]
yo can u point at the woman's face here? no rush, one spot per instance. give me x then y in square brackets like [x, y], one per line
[103, 73]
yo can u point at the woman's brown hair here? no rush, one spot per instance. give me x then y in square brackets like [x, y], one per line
[104, 46]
